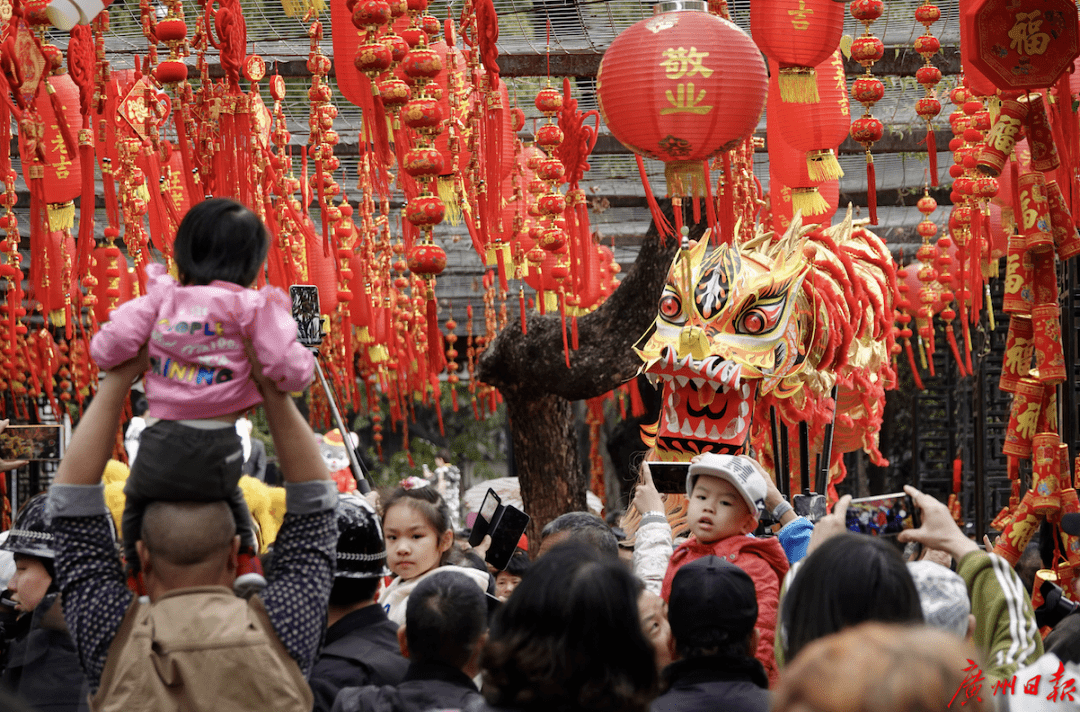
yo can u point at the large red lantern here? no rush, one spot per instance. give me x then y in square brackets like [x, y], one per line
[798, 35]
[816, 129]
[682, 86]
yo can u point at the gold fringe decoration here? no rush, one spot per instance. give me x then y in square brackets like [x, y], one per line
[685, 178]
[823, 166]
[808, 201]
[448, 194]
[798, 85]
[61, 216]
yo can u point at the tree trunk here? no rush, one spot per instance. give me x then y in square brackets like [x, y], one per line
[545, 447]
[530, 371]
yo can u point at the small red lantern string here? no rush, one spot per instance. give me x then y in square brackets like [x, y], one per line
[868, 90]
[928, 76]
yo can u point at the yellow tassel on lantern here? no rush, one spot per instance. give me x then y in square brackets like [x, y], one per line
[823, 166]
[61, 216]
[363, 335]
[798, 85]
[378, 353]
[808, 201]
[685, 178]
[57, 318]
[299, 8]
[448, 194]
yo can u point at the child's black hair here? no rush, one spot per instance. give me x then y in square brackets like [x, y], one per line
[220, 239]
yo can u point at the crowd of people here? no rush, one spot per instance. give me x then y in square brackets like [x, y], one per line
[379, 604]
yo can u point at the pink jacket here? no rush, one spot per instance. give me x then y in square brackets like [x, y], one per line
[764, 560]
[197, 364]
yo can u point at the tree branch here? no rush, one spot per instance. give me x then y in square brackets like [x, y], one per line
[605, 359]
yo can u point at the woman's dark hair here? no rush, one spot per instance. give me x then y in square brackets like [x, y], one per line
[220, 239]
[851, 578]
[570, 639]
[519, 563]
[429, 503]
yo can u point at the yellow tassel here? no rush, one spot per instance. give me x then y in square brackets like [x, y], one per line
[57, 318]
[378, 353]
[685, 178]
[363, 335]
[298, 8]
[551, 301]
[450, 199]
[798, 85]
[823, 166]
[808, 201]
[61, 216]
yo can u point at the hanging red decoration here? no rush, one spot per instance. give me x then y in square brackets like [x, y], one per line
[868, 90]
[1023, 44]
[797, 35]
[681, 87]
[817, 129]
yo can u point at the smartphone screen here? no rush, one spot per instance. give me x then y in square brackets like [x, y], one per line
[882, 515]
[505, 537]
[31, 442]
[669, 477]
[488, 509]
[305, 311]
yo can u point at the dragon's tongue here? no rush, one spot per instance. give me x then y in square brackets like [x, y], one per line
[705, 395]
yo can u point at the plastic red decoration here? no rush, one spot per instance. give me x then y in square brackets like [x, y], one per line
[1023, 44]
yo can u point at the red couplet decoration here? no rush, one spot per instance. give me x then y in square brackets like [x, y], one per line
[682, 86]
[798, 35]
[816, 129]
[1023, 44]
[113, 286]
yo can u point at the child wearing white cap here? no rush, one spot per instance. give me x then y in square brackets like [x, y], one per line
[726, 495]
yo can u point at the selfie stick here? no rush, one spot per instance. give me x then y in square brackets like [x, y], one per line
[357, 467]
[804, 455]
[782, 480]
[826, 449]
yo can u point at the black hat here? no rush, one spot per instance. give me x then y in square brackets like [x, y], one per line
[361, 550]
[712, 602]
[1070, 524]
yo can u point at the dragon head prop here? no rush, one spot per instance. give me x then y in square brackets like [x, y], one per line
[776, 318]
[730, 327]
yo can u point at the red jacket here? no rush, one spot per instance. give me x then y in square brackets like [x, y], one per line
[765, 562]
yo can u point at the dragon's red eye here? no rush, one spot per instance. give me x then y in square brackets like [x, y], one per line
[671, 308]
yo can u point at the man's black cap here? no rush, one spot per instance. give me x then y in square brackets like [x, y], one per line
[712, 601]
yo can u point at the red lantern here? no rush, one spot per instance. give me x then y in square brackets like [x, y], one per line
[63, 176]
[682, 86]
[819, 128]
[798, 35]
[113, 286]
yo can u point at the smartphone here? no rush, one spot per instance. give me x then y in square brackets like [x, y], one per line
[485, 518]
[669, 477]
[505, 534]
[31, 442]
[305, 311]
[882, 515]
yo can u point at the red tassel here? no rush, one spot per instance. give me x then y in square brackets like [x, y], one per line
[727, 216]
[435, 341]
[710, 204]
[957, 475]
[931, 153]
[871, 189]
[662, 225]
[438, 404]
[1014, 175]
[502, 270]
[951, 338]
[521, 306]
[573, 321]
[930, 358]
[86, 215]
[914, 368]
[562, 317]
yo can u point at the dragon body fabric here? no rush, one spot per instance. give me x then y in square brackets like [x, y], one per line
[773, 321]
